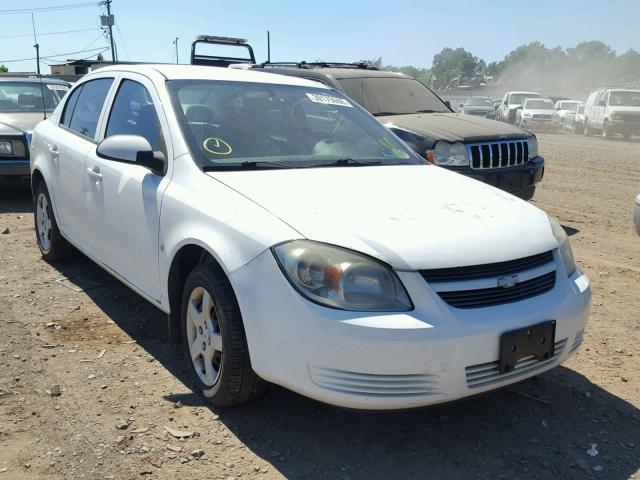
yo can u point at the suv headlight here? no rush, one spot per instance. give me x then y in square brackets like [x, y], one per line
[532, 143]
[451, 154]
[6, 148]
[564, 247]
[339, 278]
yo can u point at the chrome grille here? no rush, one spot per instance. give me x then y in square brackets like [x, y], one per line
[498, 154]
[485, 374]
[541, 116]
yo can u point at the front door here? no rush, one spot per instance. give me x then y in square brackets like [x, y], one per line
[124, 198]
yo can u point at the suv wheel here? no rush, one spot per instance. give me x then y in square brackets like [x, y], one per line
[214, 340]
[53, 246]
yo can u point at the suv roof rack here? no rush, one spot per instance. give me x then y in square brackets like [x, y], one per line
[303, 64]
[220, 60]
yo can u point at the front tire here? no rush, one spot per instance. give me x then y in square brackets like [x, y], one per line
[606, 131]
[53, 246]
[214, 340]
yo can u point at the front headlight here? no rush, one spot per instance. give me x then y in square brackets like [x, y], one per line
[451, 154]
[6, 148]
[564, 247]
[340, 278]
[532, 143]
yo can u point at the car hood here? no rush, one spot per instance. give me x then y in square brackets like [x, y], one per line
[453, 127]
[478, 108]
[412, 216]
[17, 123]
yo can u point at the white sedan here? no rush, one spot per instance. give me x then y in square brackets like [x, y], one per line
[292, 239]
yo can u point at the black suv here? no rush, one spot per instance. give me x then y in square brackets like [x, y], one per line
[501, 155]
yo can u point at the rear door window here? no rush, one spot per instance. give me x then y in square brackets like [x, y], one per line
[70, 106]
[86, 114]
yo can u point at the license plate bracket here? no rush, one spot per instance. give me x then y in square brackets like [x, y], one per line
[536, 340]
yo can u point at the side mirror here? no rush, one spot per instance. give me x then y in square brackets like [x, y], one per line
[131, 149]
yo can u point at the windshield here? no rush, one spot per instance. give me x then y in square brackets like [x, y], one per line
[399, 96]
[262, 125]
[519, 98]
[624, 99]
[28, 96]
[533, 103]
[479, 102]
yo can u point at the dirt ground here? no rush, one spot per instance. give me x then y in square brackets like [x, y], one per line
[76, 366]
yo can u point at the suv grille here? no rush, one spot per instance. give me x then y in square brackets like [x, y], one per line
[541, 116]
[478, 286]
[628, 117]
[498, 154]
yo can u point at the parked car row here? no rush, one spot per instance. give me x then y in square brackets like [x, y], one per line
[292, 238]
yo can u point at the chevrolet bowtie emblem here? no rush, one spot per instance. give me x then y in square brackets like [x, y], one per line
[508, 281]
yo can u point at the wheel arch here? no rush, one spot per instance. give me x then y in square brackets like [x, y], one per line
[36, 178]
[186, 257]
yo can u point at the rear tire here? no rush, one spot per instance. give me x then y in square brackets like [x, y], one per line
[214, 340]
[53, 246]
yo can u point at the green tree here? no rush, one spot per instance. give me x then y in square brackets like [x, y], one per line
[591, 51]
[375, 62]
[3, 68]
[451, 63]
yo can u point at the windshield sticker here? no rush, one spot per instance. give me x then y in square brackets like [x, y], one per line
[395, 151]
[62, 88]
[327, 100]
[217, 146]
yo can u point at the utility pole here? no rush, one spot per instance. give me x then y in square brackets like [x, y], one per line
[175, 42]
[114, 59]
[268, 46]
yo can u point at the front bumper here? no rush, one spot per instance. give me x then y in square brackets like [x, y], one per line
[510, 179]
[14, 172]
[393, 360]
[622, 126]
[540, 123]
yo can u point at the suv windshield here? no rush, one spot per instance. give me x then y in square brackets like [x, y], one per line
[624, 99]
[478, 102]
[28, 96]
[519, 98]
[233, 125]
[536, 104]
[399, 96]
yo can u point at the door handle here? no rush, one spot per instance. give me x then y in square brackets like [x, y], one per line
[53, 150]
[95, 173]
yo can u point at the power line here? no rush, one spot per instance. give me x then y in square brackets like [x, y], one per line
[51, 33]
[102, 49]
[50, 9]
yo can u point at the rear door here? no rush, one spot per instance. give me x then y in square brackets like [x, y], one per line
[74, 139]
[125, 198]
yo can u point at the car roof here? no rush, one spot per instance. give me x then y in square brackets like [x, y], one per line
[199, 72]
[520, 93]
[33, 80]
[622, 90]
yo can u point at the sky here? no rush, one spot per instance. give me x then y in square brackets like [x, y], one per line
[402, 32]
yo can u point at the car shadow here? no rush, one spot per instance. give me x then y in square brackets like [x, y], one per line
[540, 428]
[16, 200]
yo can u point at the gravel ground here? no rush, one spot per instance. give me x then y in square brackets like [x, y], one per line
[88, 380]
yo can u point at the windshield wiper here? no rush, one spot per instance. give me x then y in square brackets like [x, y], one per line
[254, 165]
[382, 114]
[428, 111]
[343, 162]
